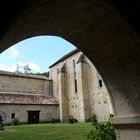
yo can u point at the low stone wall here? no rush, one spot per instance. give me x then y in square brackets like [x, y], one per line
[21, 83]
[21, 112]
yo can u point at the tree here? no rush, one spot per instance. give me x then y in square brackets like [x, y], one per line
[44, 74]
[23, 69]
[27, 69]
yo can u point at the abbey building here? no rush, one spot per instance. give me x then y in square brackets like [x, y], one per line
[74, 88]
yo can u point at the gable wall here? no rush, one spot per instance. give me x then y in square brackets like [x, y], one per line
[90, 98]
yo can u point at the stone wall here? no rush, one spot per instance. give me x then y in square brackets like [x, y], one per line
[71, 97]
[20, 93]
[46, 112]
[99, 96]
[16, 83]
[89, 98]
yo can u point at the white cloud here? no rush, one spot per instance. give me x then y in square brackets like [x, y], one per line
[14, 52]
[34, 67]
[8, 68]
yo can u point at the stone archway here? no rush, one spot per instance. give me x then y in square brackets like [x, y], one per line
[98, 29]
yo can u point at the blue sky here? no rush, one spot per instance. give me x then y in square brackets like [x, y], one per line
[38, 52]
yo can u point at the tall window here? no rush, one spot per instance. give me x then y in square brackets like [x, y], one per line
[75, 82]
[100, 83]
[74, 69]
[74, 75]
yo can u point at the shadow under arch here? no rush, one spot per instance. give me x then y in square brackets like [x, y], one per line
[101, 33]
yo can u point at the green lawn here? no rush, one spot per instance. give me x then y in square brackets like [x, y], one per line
[60, 131]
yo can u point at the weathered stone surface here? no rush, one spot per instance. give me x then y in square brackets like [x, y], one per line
[21, 112]
[20, 93]
[27, 84]
[89, 98]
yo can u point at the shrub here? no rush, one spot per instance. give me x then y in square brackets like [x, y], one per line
[94, 119]
[101, 130]
[15, 121]
[72, 120]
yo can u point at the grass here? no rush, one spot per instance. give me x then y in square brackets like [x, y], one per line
[59, 131]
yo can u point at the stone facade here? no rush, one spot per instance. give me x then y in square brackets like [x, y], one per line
[25, 96]
[79, 88]
[46, 112]
[74, 88]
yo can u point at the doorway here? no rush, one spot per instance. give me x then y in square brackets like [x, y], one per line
[33, 117]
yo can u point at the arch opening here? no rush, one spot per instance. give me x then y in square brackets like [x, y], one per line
[75, 83]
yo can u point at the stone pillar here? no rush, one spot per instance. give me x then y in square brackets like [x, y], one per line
[62, 95]
[80, 92]
[127, 128]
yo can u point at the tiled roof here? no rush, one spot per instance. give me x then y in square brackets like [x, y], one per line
[27, 99]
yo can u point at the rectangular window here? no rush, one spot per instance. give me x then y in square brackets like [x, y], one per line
[100, 83]
[75, 82]
[74, 69]
[12, 115]
[74, 76]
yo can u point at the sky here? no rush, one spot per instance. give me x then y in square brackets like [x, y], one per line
[37, 52]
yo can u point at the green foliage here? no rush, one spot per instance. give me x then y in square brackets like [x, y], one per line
[102, 131]
[44, 74]
[94, 119]
[15, 121]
